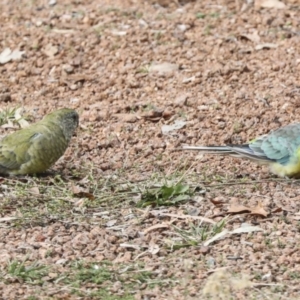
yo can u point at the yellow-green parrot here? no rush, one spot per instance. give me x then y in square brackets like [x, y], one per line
[34, 149]
[280, 149]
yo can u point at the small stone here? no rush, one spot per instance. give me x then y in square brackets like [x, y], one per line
[51, 50]
[181, 100]
[189, 79]
[38, 23]
[163, 67]
[157, 144]
[167, 113]
[86, 20]
[182, 27]
[4, 89]
[14, 79]
[6, 97]
[61, 261]
[52, 275]
[74, 100]
[204, 250]
[68, 69]
[129, 118]
[73, 87]
[105, 166]
[202, 107]
[21, 74]
[76, 62]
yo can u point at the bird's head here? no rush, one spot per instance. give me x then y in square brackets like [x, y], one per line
[67, 119]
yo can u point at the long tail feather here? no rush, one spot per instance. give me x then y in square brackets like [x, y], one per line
[222, 150]
[241, 151]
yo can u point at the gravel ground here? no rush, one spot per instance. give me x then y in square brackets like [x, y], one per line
[147, 77]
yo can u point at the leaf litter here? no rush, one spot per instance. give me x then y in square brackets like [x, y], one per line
[130, 68]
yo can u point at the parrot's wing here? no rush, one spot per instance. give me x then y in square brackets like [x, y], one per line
[280, 145]
[14, 149]
[250, 152]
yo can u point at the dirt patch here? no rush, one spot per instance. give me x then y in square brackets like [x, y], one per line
[145, 78]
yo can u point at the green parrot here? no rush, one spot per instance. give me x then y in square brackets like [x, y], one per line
[34, 149]
[280, 149]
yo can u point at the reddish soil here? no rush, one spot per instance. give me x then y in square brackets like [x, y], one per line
[228, 69]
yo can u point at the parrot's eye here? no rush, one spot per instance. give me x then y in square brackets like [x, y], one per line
[75, 117]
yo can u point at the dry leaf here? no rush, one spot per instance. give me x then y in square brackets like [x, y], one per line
[143, 23]
[277, 210]
[40, 238]
[22, 122]
[245, 228]
[178, 124]
[125, 245]
[269, 4]
[162, 214]
[259, 210]
[216, 202]
[119, 33]
[236, 208]
[34, 190]
[63, 31]
[9, 124]
[80, 203]
[70, 79]
[253, 37]
[153, 115]
[163, 67]
[128, 118]
[216, 237]
[76, 189]
[111, 223]
[52, 2]
[189, 79]
[266, 46]
[7, 55]
[156, 226]
[51, 50]
[153, 249]
[5, 219]
[80, 192]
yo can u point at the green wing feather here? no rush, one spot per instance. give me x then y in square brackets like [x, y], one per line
[13, 154]
[280, 145]
[31, 150]
[35, 148]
